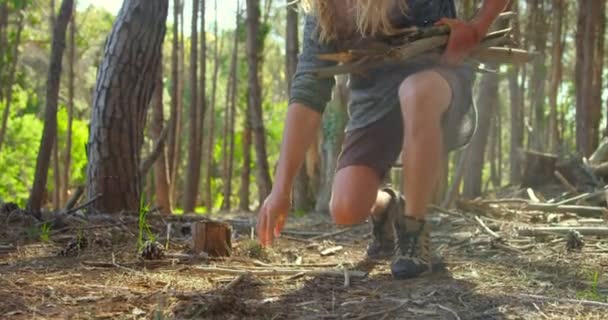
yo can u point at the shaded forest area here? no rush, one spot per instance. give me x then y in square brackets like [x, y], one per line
[135, 149]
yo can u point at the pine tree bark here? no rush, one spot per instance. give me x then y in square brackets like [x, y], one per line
[175, 118]
[211, 143]
[55, 153]
[49, 133]
[255, 101]
[71, 75]
[487, 101]
[194, 147]
[125, 84]
[598, 70]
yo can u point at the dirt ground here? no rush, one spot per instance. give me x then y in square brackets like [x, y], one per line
[513, 277]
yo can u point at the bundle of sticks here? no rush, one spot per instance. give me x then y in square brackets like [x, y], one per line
[495, 48]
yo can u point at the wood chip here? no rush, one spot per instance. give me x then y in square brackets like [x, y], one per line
[331, 251]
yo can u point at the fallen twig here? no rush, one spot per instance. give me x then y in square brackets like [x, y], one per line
[234, 282]
[449, 310]
[330, 251]
[84, 205]
[565, 181]
[281, 272]
[114, 263]
[331, 234]
[563, 300]
[485, 228]
[541, 231]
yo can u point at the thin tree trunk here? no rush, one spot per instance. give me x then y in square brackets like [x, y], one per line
[194, 147]
[211, 143]
[161, 175]
[537, 95]
[49, 133]
[67, 161]
[180, 122]
[228, 147]
[203, 100]
[246, 171]
[174, 125]
[488, 97]
[332, 141]
[517, 120]
[493, 152]
[556, 72]
[3, 37]
[11, 80]
[597, 74]
[125, 85]
[55, 153]
[255, 102]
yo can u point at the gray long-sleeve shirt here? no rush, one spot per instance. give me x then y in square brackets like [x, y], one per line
[374, 93]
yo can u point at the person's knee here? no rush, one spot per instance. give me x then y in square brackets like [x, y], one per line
[424, 98]
[344, 210]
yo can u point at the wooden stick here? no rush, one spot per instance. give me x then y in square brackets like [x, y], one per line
[485, 228]
[281, 272]
[541, 231]
[563, 300]
[74, 198]
[565, 181]
[583, 211]
[331, 234]
[84, 205]
[583, 196]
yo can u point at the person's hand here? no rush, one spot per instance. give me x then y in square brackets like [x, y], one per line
[272, 217]
[464, 38]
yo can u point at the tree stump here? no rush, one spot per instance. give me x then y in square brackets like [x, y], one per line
[212, 237]
[539, 168]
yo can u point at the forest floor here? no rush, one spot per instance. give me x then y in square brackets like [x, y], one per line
[513, 277]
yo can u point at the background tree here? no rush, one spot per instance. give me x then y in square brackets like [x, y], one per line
[49, 134]
[126, 81]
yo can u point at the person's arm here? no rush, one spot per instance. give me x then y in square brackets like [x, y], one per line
[308, 98]
[466, 35]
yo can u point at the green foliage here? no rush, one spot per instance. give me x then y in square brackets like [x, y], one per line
[45, 231]
[144, 227]
[593, 293]
[18, 158]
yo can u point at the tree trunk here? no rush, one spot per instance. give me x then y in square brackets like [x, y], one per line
[55, 151]
[597, 78]
[230, 116]
[202, 99]
[211, 143]
[586, 41]
[487, 102]
[67, 161]
[194, 147]
[11, 79]
[161, 175]
[255, 101]
[125, 85]
[556, 72]
[246, 171]
[517, 114]
[332, 141]
[537, 94]
[174, 125]
[49, 133]
[3, 37]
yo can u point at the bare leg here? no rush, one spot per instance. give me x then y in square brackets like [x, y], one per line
[424, 98]
[355, 195]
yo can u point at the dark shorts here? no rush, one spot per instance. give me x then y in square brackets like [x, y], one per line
[379, 145]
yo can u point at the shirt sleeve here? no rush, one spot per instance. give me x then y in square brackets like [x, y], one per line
[306, 88]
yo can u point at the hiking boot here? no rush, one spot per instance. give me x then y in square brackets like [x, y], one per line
[413, 254]
[382, 245]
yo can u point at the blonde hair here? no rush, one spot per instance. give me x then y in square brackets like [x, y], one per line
[371, 17]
